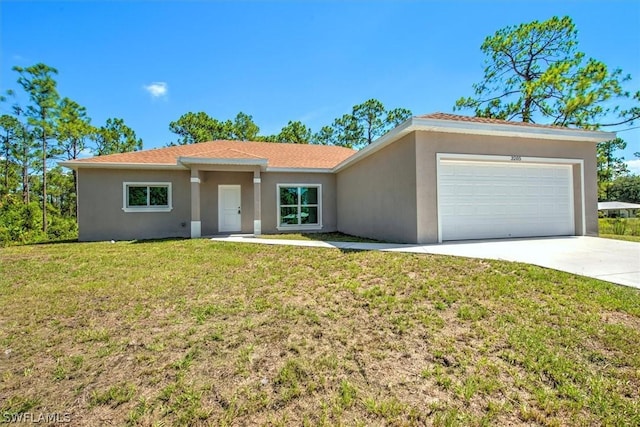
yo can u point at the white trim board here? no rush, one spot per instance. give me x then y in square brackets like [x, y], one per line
[113, 165]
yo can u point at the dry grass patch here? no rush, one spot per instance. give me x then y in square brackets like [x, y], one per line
[193, 332]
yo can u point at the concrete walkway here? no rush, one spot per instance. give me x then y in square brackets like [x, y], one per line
[615, 261]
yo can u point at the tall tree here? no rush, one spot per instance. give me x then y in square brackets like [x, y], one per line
[22, 143]
[610, 167]
[24, 153]
[192, 128]
[346, 132]
[366, 122]
[535, 73]
[244, 128]
[327, 135]
[116, 137]
[10, 135]
[370, 116]
[397, 116]
[39, 84]
[62, 190]
[74, 130]
[295, 132]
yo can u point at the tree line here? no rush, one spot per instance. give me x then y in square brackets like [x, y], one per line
[533, 73]
[38, 198]
[365, 123]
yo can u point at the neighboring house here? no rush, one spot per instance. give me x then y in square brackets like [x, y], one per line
[618, 209]
[434, 178]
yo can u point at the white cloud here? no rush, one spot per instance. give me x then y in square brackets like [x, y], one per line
[157, 89]
[634, 166]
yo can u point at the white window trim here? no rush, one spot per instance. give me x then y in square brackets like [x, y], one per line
[302, 227]
[126, 208]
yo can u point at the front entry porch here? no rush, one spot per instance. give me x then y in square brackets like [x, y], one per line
[225, 199]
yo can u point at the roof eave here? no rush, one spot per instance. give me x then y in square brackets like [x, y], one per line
[299, 170]
[474, 128]
[75, 165]
[220, 161]
[511, 130]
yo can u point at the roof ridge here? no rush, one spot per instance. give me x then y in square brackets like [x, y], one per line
[225, 149]
[243, 152]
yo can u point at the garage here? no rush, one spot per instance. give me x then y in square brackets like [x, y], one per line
[442, 177]
[485, 197]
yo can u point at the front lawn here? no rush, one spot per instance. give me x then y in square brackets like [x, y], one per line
[194, 332]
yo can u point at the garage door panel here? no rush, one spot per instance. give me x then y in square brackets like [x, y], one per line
[479, 200]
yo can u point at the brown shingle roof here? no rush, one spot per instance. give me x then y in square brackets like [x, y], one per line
[278, 155]
[458, 118]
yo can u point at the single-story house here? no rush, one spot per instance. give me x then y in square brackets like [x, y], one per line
[434, 178]
[618, 209]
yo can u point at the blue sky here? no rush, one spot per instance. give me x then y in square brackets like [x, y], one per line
[284, 60]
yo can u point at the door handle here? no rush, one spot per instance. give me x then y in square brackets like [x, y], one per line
[238, 210]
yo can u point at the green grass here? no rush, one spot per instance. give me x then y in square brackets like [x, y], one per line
[194, 332]
[619, 226]
[627, 229]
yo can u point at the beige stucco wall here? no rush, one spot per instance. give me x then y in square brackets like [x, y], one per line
[100, 214]
[269, 201]
[430, 143]
[209, 199]
[392, 194]
[377, 195]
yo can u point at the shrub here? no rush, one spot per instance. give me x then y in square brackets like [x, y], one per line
[22, 223]
[619, 226]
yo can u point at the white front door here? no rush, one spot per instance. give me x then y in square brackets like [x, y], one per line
[229, 208]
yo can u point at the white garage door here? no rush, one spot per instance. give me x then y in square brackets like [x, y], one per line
[483, 200]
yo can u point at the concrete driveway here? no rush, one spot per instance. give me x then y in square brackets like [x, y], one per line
[605, 259]
[615, 261]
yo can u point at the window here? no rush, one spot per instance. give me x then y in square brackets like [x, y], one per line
[299, 206]
[146, 197]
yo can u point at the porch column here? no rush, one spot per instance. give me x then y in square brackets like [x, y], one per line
[257, 215]
[196, 226]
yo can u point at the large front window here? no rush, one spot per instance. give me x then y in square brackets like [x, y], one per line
[146, 197]
[299, 206]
